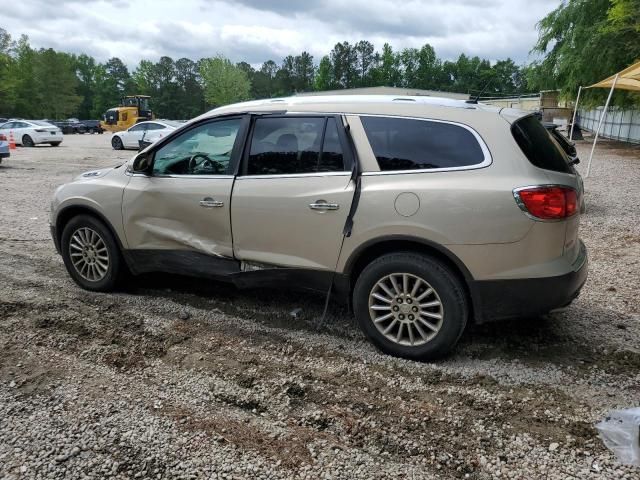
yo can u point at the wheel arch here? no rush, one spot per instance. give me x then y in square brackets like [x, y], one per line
[377, 247]
[71, 211]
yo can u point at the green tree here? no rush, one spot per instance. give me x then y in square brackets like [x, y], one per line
[324, 77]
[364, 62]
[583, 41]
[56, 84]
[224, 83]
[7, 66]
[410, 65]
[85, 68]
[387, 72]
[191, 94]
[113, 82]
[24, 80]
[304, 71]
[344, 60]
[429, 68]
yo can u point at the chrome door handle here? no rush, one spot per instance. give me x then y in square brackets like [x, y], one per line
[323, 206]
[209, 202]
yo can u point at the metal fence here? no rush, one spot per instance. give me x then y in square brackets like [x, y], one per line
[619, 124]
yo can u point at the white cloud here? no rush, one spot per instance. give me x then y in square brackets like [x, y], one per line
[258, 30]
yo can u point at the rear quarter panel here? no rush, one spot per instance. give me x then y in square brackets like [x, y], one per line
[463, 210]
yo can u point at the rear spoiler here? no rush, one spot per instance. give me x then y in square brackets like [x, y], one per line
[513, 114]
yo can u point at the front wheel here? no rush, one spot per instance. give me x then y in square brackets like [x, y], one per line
[116, 143]
[410, 305]
[91, 254]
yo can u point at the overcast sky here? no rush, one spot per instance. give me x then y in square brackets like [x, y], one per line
[257, 30]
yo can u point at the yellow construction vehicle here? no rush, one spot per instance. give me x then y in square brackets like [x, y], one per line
[132, 109]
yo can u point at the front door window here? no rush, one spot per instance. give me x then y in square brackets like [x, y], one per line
[203, 150]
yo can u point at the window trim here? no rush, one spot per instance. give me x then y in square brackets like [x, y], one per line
[487, 160]
[236, 151]
[347, 158]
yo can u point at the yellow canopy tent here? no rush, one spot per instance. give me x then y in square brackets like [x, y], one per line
[627, 79]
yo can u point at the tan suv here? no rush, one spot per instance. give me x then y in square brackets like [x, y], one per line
[424, 213]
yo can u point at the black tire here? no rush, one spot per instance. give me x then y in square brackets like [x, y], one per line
[440, 278]
[116, 143]
[55, 144]
[27, 141]
[115, 269]
[92, 131]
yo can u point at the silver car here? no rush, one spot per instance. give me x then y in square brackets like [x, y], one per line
[422, 213]
[4, 147]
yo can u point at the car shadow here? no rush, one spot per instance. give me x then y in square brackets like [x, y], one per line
[552, 339]
[291, 309]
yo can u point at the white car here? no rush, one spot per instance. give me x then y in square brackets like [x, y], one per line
[29, 133]
[148, 131]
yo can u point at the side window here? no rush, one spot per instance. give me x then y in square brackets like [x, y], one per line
[203, 150]
[408, 144]
[138, 128]
[125, 116]
[281, 146]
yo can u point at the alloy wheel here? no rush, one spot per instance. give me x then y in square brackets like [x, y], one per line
[406, 309]
[89, 254]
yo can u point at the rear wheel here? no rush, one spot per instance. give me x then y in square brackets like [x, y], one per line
[27, 141]
[55, 144]
[410, 305]
[91, 254]
[116, 143]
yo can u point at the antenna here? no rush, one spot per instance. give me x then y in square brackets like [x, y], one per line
[484, 89]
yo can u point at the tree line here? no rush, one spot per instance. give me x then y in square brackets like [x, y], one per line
[44, 83]
[579, 43]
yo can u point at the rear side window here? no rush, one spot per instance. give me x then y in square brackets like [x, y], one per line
[537, 145]
[409, 144]
[282, 146]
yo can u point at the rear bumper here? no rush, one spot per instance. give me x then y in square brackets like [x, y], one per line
[47, 139]
[528, 297]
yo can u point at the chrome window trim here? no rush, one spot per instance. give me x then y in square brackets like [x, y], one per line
[201, 177]
[344, 173]
[487, 158]
[193, 176]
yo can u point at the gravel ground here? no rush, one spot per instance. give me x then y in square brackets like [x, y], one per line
[179, 378]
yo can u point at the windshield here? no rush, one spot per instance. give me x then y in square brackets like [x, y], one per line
[144, 104]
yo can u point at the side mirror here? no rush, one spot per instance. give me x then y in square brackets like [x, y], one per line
[142, 163]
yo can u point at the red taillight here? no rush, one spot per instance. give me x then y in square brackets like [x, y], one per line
[3, 138]
[548, 203]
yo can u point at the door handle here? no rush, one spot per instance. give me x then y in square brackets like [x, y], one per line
[209, 202]
[322, 205]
